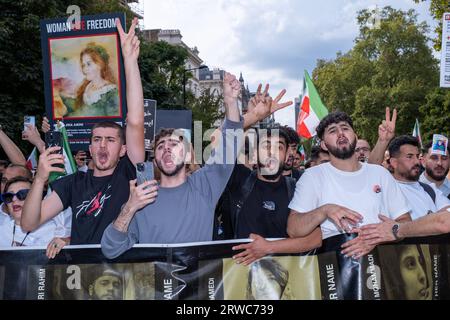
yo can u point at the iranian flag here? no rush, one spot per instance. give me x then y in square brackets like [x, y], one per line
[33, 159]
[416, 132]
[302, 152]
[312, 110]
[69, 162]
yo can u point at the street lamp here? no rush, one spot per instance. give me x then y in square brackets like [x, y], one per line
[184, 81]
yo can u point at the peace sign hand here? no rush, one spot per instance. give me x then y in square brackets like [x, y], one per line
[386, 130]
[263, 105]
[129, 41]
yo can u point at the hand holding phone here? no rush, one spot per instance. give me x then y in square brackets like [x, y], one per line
[28, 120]
[144, 172]
[53, 139]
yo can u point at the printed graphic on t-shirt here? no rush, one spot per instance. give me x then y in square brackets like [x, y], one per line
[93, 207]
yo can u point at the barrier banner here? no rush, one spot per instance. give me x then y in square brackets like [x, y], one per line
[206, 271]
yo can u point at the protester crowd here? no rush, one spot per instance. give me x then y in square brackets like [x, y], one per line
[394, 190]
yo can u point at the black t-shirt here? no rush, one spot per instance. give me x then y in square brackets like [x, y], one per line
[296, 174]
[265, 212]
[95, 201]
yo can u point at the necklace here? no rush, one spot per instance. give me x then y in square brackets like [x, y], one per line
[95, 87]
[17, 244]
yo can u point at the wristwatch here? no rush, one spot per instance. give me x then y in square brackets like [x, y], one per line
[395, 228]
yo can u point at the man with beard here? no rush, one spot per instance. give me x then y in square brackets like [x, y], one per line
[181, 209]
[95, 197]
[341, 194]
[259, 200]
[363, 150]
[436, 170]
[294, 141]
[404, 158]
[107, 285]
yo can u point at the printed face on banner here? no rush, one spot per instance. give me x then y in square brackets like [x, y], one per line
[85, 77]
[272, 279]
[124, 281]
[440, 144]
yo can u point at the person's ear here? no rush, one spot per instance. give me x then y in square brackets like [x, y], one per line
[123, 150]
[393, 162]
[323, 145]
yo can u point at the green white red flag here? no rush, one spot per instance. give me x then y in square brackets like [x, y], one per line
[416, 132]
[69, 162]
[312, 110]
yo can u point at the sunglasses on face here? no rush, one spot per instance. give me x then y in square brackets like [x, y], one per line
[21, 195]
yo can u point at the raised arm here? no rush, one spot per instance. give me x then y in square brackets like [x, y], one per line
[35, 210]
[386, 132]
[31, 134]
[12, 151]
[231, 90]
[135, 97]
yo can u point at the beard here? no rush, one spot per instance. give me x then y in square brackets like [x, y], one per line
[271, 177]
[413, 176]
[168, 173]
[345, 153]
[436, 177]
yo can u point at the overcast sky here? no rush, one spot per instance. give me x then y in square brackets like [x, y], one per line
[269, 41]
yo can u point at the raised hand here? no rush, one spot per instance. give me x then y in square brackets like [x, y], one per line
[32, 135]
[262, 105]
[45, 126]
[129, 41]
[142, 195]
[386, 130]
[47, 162]
[231, 89]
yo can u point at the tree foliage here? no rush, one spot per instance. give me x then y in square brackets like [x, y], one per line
[162, 67]
[390, 65]
[437, 10]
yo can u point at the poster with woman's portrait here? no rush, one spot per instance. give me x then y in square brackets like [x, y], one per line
[406, 272]
[270, 278]
[83, 74]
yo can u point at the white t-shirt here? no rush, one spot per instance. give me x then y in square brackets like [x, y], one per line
[420, 201]
[40, 237]
[369, 191]
[59, 226]
[3, 214]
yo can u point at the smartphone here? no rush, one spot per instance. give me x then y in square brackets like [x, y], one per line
[28, 120]
[53, 139]
[144, 172]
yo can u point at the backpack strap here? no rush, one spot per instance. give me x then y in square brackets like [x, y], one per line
[428, 189]
[245, 191]
[290, 184]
